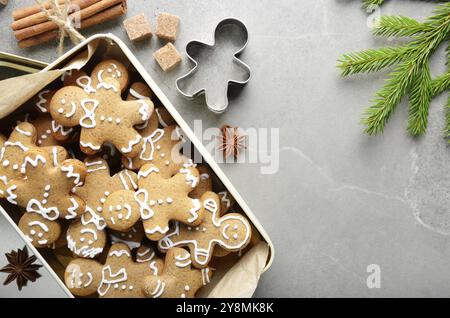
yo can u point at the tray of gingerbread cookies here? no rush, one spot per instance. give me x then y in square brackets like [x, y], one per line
[97, 177]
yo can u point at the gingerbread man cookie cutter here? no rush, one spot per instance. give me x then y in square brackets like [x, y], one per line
[217, 101]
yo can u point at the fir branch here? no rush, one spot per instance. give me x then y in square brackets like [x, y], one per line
[440, 84]
[399, 26]
[420, 99]
[371, 5]
[371, 60]
[411, 74]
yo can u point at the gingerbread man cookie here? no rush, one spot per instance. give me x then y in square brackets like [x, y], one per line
[14, 151]
[178, 278]
[40, 231]
[232, 232]
[161, 200]
[46, 186]
[119, 277]
[102, 115]
[161, 148]
[86, 237]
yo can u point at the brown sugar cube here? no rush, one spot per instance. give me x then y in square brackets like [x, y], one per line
[167, 26]
[167, 57]
[137, 27]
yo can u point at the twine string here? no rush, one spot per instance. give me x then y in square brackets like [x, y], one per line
[59, 14]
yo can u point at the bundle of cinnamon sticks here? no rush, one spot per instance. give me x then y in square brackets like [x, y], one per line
[32, 27]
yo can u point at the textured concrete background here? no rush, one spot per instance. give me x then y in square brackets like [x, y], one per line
[341, 200]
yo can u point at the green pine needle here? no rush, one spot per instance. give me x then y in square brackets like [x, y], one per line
[411, 74]
[440, 84]
[371, 60]
[419, 101]
[447, 119]
[371, 5]
[399, 26]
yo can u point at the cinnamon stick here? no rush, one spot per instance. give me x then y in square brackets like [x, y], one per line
[40, 16]
[106, 15]
[80, 16]
[25, 12]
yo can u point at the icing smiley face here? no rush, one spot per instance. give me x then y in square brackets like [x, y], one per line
[111, 69]
[85, 239]
[231, 232]
[83, 278]
[234, 232]
[38, 230]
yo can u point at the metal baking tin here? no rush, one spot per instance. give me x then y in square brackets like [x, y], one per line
[181, 123]
[20, 63]
[218, 109]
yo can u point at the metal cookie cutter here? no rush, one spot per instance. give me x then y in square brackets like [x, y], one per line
[216, 66]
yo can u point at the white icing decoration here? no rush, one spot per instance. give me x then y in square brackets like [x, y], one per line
[157, 229]
[160, 119]
[146, 173]
[119, 253]
[100, 165]
[56, 128]
[137, 95]
[40, 224]
[112, 278]
[42, 100]
[95, 219]
[90, 231]
[72, 110]
[190, 178]
[202, 256]
[55, 156]
[11, 195]
[193, 211]
[69, 170]
[131, 144]
[154, 268]
[88, 86]
[144, 110]
[152, 139]
[89, 113]
[90, 279]
[89, 145]
[34, 162]
[205, 276]
[159, 290]
[23, 132]
[84, 251]
[144, 209]
[51, 213]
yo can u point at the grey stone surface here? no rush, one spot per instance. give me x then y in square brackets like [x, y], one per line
[341, 200]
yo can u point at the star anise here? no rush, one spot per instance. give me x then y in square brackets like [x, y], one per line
[232, 141]
[20, 268]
